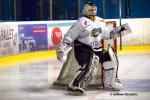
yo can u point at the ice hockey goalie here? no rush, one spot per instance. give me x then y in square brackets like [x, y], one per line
[84, 37]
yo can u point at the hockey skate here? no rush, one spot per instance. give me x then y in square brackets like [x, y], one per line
[76, 91]
[117, 86]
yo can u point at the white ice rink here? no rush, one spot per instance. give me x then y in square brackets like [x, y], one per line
[33, 81]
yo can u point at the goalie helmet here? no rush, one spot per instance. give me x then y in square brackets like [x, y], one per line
[90, 10]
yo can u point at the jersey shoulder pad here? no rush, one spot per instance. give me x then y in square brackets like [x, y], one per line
[99, 19]
[85, 21]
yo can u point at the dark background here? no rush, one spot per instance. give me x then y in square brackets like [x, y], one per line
[35, 10]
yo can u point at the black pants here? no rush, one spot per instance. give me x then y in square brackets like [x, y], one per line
[84, 52]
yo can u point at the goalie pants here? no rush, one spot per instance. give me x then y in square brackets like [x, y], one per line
[83, 54]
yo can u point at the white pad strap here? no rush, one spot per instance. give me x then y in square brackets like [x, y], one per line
[108, 65]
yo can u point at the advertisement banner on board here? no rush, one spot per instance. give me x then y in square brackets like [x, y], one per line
[8, 39]
[32, 37]
[56, 32]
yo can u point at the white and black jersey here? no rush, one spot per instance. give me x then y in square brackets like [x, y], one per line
[88, 32]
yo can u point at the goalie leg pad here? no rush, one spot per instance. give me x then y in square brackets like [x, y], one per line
[94, 63]
[110, 80]
[84, 75]
[110, 72]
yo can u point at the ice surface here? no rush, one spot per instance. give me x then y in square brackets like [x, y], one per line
[33, 81]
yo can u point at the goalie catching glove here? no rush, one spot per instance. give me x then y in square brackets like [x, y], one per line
[123, 29]
[62, 52]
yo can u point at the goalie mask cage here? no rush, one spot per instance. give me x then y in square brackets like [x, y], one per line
[70, 67]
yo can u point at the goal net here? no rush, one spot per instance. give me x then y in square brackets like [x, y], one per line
[70, 67]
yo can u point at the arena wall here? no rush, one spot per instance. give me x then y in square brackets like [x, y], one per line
[31, 36]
